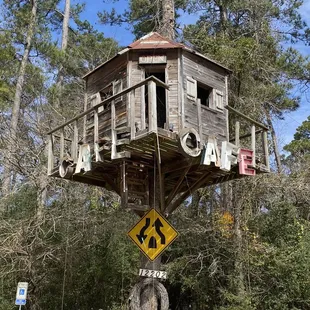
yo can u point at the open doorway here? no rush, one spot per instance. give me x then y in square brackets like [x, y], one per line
[160, 95]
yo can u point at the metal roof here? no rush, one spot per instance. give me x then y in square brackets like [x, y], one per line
[152, 41]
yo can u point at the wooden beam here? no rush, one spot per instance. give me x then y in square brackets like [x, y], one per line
[188, 192]
[265, 148]
[110, 99]
[142, 109]
[113, 131]
[229, 108]
[74, 145]
[177, 186]
[84, 117]
[247, 135]
[152, 106]
[161, 176]
[177, 164]
[132, 115]
[50, 156]
[96, 126]
[199, 121]
[237, 134]
[253, 145]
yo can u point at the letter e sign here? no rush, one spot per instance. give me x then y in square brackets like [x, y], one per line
[245, 161]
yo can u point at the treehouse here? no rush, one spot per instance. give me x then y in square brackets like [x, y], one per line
[157, 110]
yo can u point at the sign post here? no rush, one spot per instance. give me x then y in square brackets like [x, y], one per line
[21, 294]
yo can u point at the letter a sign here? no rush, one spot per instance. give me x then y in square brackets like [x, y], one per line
[152, 234]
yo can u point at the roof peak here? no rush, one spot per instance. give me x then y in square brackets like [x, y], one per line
[154, 40]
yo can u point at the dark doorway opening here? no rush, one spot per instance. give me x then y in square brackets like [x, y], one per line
[160, 96]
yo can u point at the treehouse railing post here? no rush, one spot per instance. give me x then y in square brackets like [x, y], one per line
[113, 131]
[237, 134]
[265, 148]
[199, 120]
[50, 156]
[152, 106]
[74, 145]
[96, 126]
[143, 107]
[62, 143]
[132, 115]
[253, 143]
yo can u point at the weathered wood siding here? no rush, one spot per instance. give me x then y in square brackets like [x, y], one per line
[97, 81]
[137, 74]
[174, 89]
[214, 121]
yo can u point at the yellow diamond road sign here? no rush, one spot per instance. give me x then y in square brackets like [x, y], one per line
[152, 234]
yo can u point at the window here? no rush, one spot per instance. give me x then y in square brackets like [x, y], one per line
[204, 93]
[209, 97]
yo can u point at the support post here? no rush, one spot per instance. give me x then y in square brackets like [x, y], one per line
[237, 134]
[265, 148]
[142, 107]
[132, 115]
[199, 120]
[152, 106]
[50, 156]
[62, 144]
[253, 143]
[113, 131]
[74, 146]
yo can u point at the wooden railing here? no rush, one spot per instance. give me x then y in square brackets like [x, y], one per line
[58, 137]
[263, 131]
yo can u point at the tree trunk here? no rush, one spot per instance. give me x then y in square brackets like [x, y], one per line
[223, 16]
[8, 168]
[64, 40]
[239, 274]
[150, 294]
[168, 19]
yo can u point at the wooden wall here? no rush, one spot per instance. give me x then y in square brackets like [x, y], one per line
[214, 121]
[116, 69]
[137, 74]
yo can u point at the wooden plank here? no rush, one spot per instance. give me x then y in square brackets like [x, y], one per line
[152, 106]
[229, 108]
[85, 117]
[177, 186]
[199, 120]
[96, 126]
[74, 145]
[142, 100]
[124, 188]
[113, 131]
[50, 160]
[198, 183]
[110, 99]
[132, 115]
[265, 148]
[247, 135]
[62, 143]
[253, 144]
[226, 111]
[237, 134]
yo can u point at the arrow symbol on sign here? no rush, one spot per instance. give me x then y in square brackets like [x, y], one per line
[141, 237]
[158, 224]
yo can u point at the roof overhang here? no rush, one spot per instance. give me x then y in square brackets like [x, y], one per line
[154, 41]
